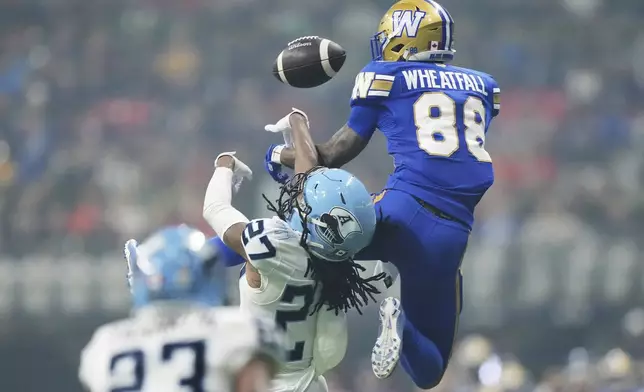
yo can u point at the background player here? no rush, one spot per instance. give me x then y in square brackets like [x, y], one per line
[174, 341]
[435, 117]
[299, 268]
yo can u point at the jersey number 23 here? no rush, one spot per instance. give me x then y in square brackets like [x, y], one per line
[137, 362]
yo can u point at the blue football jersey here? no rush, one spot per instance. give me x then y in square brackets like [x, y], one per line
[435, 118]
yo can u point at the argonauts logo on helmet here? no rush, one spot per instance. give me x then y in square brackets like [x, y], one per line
[340, 224]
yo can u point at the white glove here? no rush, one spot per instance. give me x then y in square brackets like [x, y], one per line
[240, 171]
[129, 251]
[284, 126]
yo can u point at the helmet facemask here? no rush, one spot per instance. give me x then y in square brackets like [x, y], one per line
[342, 286]
[292, 207]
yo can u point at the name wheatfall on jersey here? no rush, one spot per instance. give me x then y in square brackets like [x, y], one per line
[449, 80]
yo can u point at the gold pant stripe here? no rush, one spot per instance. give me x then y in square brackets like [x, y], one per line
[379, 197]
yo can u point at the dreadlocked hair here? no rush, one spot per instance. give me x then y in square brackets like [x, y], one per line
[342, 286]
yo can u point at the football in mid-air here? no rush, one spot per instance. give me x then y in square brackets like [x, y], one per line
[309, 62]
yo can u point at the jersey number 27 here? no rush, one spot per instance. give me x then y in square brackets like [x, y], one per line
[290, 294]
[436, 130]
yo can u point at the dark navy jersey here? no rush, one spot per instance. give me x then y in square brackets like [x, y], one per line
[435, 118]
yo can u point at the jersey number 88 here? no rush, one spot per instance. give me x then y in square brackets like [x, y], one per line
[437, 132]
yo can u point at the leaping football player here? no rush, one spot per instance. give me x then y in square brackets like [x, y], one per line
[435, 117]
[299, 267]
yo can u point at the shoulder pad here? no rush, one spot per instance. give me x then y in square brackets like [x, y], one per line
[93, 360]
[265, 239]
[374, 83]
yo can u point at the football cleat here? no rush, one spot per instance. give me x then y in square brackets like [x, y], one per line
[386, 352]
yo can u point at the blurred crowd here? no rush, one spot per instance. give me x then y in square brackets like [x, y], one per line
[477, 367]
[111, 113]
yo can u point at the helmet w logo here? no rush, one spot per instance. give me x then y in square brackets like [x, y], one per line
[407, 22]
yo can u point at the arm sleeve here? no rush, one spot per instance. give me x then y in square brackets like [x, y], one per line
[372, 87]
[226, 256]
[217, 208]
[363, 120]
[261, 245]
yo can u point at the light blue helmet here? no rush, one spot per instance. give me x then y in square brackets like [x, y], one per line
[340, 216]
[175, 263]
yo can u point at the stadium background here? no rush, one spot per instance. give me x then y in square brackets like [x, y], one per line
[112, 111]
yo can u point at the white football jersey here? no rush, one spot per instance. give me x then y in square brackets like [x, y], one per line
[192, 349]
[288, 294]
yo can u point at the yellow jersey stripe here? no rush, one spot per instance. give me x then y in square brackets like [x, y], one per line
[382, 85]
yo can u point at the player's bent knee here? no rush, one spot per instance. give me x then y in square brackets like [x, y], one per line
[428, 375]
[425, 383]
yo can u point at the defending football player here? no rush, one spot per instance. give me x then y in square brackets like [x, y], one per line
[299, 267]
[175, 340]
[435, 117]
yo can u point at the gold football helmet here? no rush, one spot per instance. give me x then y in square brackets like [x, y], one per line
[414, 30]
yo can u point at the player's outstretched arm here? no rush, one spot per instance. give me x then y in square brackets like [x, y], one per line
[301, 151]
[343, 147]
[224, 254]
[306, 155]
[218, 211]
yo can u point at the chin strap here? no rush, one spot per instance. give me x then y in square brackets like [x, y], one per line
[440, 56]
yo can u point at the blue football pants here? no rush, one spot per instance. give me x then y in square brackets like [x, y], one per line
[427, 250]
